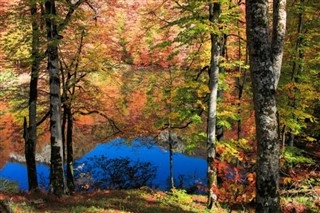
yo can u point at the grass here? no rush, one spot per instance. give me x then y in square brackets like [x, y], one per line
[141, 200]
[106, 201]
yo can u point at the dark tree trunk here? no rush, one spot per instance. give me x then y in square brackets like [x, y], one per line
[70, 175]
[265, 65]
[65, 102]
[67, 124]
[171, 162]
[296, 72]
[68, 93]
[31, 139]
[240, 87]
[214, 13]
[170, 158]
[57, 179]
[63, 127]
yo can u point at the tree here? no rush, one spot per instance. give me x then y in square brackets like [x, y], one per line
[265, 65]
[298, 62]
[70, 77]
[31, 131]
[58, 184]
[298, 88]
[214, 13]
[26, 15]
[57, 180]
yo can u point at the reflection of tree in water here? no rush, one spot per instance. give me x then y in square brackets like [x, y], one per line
[43, 181]
[119, 173]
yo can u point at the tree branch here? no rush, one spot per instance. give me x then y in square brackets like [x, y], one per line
[44, 118]
[72, 8]
[111, 122]
[201, 71]
[235, 35]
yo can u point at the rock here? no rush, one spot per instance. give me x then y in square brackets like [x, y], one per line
[42, 157]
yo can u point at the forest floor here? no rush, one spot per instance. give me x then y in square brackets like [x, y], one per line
[141, 200]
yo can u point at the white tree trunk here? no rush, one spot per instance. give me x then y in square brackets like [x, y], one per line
[214, 13]
[265, 66]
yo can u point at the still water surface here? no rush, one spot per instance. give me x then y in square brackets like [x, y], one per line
[193, 170]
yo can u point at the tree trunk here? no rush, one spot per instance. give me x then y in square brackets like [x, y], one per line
[220, 128]
[63, 128]
[171, 161]
[170, 133]
[57, 180]
[214, 12]
[240, 86]
[31, 139]
[70, 175]
[278, 34]
[68, 115]
[64, 101]
[295, 74]
[265, 65]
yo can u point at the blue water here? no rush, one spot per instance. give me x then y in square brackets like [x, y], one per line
[193, 170]
[18, 172]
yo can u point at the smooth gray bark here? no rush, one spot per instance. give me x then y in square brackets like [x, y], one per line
[278, 34]
[57, 179]
[265, 71]
[214, 13]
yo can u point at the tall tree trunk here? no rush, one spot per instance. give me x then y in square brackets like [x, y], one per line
[57, 179]
[170, 133]
[70, 175]
[31, 139]
[295, 73]
[67, 109]
[214, 13]
[278, 33]
[63, 127]
[224, 52]
[64, 101]
[240, 85]
[265, 65]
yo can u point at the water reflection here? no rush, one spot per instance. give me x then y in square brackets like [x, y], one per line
[188, 171]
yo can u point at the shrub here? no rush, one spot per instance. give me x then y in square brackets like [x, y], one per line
[8, 186]
[294, 156]
[118, 173]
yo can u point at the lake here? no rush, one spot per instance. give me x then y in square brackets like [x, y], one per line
[187, 170]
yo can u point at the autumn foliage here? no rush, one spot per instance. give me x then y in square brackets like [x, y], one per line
[140, 68]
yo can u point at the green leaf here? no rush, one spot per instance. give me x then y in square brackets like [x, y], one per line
[196, 119]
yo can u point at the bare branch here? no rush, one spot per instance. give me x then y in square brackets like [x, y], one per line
[44, 118]
[72, 8]
[235, 35]
[111, 122]
[201, 71]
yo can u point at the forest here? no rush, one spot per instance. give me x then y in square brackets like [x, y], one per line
[234, 82]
